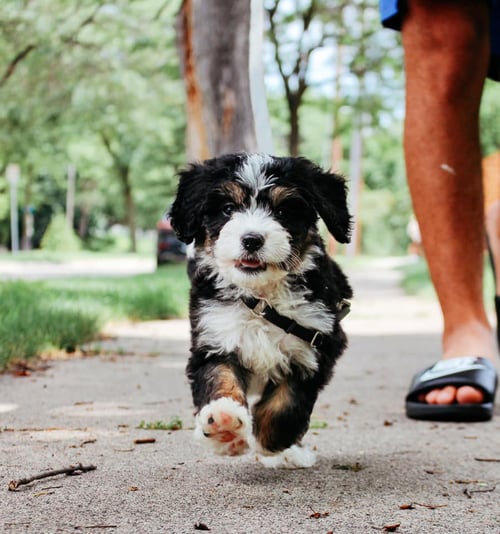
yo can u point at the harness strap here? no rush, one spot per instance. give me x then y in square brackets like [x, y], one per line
[314, 337]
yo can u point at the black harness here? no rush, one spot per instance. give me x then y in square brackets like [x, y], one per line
[315, 338]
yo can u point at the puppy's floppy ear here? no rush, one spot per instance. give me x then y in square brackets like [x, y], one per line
[186, 213]
[330, 201]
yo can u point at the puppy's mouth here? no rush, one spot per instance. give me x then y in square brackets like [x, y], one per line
[250, 265]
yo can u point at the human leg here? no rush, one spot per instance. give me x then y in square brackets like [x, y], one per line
[446, 48]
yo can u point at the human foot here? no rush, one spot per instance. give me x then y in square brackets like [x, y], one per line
[447, 391]
[469, 339]
[452, 394]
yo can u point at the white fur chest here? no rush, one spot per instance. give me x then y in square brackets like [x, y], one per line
[262, 347]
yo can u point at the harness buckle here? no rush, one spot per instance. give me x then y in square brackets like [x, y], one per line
[259, 309]
[343, 308]
[317, 336]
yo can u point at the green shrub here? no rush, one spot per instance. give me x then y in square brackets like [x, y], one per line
[59, 236]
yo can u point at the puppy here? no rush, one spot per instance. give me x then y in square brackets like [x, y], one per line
[266, 300]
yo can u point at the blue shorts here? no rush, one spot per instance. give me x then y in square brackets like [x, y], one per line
[392, 14]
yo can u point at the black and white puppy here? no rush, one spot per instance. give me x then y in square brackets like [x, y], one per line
[266, 299]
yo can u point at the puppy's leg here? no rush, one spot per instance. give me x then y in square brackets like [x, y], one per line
[223, 421]
[281, 418]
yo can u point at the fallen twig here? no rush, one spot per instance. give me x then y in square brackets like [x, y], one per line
[469, 492]
[95, 526]
[349, 467]
[42, 493]
[83, 443]
[142, 441]
[77, 469]
[413, 505]
[487, 459]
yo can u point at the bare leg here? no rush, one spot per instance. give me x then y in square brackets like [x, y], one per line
[446, 47]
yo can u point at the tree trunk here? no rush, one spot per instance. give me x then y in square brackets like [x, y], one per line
[294, 138]
[83, 223]
[124, 173]
[27, 226]
[214, 48]
[356, 184]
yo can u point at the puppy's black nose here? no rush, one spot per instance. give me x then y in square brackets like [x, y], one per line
[252, 242]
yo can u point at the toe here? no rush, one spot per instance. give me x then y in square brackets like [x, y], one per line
[447, 395]
[451, 394]
[432, 396]
[469, 395]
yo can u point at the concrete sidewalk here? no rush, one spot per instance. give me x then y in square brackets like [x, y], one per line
[375, 468]
[82, 266]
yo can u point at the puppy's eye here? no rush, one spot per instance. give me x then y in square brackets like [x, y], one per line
[291, 209]
[283, 211]
[228, 208]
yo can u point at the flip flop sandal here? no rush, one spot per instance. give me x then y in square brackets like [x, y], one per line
[468, 371]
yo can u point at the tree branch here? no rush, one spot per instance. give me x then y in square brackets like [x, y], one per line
[161, 9]
[23, 54]
[277, 56]
[9, 71]
[109, 148]
[85, 22]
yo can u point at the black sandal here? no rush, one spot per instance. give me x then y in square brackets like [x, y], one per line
[477, 372]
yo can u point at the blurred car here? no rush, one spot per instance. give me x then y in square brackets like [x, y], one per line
[168, 248]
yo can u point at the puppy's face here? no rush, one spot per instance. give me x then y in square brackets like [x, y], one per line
[257, 232]
[253, 218]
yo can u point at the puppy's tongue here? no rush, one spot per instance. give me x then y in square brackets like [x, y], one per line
[250, 264]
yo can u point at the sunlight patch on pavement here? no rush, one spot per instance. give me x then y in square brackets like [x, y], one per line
[4, 408]
[177, 329]
[99, 409]
[59, 435]
[172, 364]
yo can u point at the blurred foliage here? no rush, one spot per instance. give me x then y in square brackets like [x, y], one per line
[72, 73]
[97, 84]
[490, 118]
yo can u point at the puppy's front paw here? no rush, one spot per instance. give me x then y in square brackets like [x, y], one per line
[226, 426]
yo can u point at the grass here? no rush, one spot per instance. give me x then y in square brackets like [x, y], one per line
[175, 423]
[63, 314]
